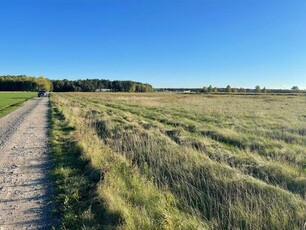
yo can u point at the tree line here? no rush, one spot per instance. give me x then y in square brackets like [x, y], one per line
[229, 89]
[91, 85]
[27, 83]
[24, 83]
[257, 89]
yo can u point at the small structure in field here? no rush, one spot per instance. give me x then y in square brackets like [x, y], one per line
[102, 90]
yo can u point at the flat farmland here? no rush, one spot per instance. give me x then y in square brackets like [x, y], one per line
[11, 100]
[180, 161]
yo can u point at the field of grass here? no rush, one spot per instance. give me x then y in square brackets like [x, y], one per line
[178, 161]
[12, 100]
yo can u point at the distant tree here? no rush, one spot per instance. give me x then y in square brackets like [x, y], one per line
[205, 89]
[295, 89]
[117, 86]
[210, 89]
[148, 87]
[24, 83]
[128, 86]
[234, 90]
[257, 89]
[242, 90]
[264, 90]
[88, 86]
[43, 83]
[215, 90]
[132, 88]
[228, 88]
[91, 85]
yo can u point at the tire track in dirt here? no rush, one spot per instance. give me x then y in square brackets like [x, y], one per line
[24, 164]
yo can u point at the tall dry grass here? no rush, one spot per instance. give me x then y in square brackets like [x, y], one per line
[232, 161]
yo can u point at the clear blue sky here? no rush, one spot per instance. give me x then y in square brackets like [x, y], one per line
[167, 43]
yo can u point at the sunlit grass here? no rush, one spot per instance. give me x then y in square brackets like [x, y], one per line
[229, 161]
[12, 100]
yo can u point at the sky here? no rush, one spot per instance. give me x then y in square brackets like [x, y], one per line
[166, 43]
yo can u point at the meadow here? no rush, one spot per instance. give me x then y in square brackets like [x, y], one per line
[12, 100]
[179, 161]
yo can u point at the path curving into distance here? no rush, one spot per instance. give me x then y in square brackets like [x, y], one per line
[24, 164]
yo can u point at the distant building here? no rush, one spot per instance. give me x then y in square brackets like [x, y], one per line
[102, 90]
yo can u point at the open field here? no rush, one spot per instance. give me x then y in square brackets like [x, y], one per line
[178, 161]
[12, 100]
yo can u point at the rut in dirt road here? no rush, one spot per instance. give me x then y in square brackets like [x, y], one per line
[24, 164]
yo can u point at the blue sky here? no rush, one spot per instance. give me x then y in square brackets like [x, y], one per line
[167, 43]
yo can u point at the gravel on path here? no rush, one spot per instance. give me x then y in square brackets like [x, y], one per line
[24, 165]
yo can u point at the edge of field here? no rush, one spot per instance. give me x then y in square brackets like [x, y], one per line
[13, 106]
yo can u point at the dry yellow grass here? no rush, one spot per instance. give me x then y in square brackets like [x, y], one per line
[221, 161]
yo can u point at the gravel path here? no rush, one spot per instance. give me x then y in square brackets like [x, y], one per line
[24, 163]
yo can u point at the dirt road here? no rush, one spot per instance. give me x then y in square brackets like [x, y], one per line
[24, 164]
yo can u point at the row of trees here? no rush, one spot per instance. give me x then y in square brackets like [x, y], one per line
[229, 89]
[24, 83]
[91, 85]
[257, 89]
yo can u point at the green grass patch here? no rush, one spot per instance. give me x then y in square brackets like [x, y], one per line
[75, 182]
[9, 101]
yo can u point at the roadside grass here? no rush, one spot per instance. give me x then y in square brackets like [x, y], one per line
[232, 162]
[75, 181]
[10, 101]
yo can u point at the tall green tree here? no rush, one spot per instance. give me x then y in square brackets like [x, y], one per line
[24, 83]
[295, 89]
[43, 83]
[205, 89]
[257, 89]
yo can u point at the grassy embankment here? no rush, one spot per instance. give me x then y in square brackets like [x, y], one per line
[182, 161]
[9, 101]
